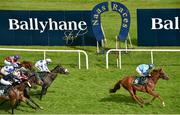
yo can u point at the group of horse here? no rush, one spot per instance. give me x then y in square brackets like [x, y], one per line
[19, 92]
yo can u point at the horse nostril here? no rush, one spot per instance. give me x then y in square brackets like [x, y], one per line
[166, 77]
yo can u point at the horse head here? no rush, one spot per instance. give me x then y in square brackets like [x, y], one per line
[60, 69]
[160, 73]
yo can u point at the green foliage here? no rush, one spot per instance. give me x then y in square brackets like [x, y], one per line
[86, 91]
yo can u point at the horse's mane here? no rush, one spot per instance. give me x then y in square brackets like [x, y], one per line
[154, 71]
[27, 64]
[56, 67]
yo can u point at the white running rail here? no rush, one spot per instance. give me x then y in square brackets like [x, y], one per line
[45, 51]
[119, 60]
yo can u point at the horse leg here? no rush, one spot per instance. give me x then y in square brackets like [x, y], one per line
[13, 105]
[35, 103]
[156, 95]
[116, 87]
[134, 97]
[28, 102]
[139, 98]
[43, 91]
[26, 94]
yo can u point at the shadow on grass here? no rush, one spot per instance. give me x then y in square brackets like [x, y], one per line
[5, 106]
[119, 98]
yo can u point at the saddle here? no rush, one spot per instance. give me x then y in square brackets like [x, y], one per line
[42, 74]
[140, 80]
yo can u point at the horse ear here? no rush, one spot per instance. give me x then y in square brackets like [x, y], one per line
[160, 69]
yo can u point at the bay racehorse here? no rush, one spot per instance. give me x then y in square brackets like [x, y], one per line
[15, 94]
[48, 78]
[127, 83]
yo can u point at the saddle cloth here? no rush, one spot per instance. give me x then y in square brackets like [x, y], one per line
[139, 80]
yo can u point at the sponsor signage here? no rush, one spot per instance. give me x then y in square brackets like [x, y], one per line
[74, 28]
[158, 27]
[46, 28]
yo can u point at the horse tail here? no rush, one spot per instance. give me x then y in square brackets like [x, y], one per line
[116, 87]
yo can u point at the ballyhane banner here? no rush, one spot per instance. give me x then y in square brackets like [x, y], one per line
[158, 27]
[46, 28]
[75, 28]
[41, 26]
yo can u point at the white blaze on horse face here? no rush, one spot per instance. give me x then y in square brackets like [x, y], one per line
[66, 70]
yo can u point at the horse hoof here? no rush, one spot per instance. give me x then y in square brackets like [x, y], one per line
[142, 106]
[111, 91]
[163, 104]
[41, 108]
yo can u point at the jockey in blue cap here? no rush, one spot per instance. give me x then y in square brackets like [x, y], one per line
[144, 71]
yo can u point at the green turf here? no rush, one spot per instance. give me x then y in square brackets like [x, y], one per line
[86, 91]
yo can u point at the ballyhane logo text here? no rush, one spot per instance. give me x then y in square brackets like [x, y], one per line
[158, 24]
[35, 24]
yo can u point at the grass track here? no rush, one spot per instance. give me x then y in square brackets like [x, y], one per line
[87, 91]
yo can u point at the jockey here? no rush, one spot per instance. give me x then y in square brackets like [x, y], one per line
[12, 60]
[19, 74]
[7, 80]
[6, 70]
[41, 65]
[144, 71]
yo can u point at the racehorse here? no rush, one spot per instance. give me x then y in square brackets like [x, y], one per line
[34, 79]
[127, 83]
[48, 78]
[16, 94]
[27, 65]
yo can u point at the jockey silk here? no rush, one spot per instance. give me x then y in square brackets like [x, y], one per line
[143, 69]
[41, 65]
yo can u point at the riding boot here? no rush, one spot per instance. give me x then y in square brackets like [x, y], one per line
[143, 80]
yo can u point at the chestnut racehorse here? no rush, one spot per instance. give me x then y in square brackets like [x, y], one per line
[127, 83]
[27, 65]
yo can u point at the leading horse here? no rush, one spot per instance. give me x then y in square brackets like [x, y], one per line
[127, 83]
